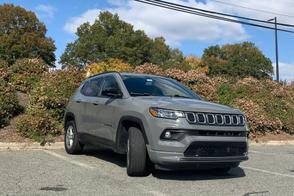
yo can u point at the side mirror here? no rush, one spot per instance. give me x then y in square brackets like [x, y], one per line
[112, 93]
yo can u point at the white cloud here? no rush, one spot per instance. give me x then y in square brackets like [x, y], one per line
[177, 27]
[45, 11]
[286, 71]
[267, 9]
[174, 26]
[74, 22]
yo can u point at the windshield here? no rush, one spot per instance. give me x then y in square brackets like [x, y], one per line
[156, 86]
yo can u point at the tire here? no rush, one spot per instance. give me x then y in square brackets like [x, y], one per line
[137, 158]
[71, 140]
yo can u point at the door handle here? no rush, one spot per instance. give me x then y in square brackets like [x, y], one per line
[78, 101]
[95, 103]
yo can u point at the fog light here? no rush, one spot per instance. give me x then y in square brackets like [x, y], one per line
[167, 134]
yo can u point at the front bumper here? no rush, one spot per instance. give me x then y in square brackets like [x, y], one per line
[175, 160]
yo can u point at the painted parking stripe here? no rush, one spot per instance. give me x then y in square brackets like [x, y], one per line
[267, 172]
[69, 160]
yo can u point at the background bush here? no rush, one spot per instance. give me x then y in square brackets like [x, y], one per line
[268, 105]
[25, 73]
[108, 65]
[47, 102]
[8, 103]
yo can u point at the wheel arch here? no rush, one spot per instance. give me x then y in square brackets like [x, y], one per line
[122, 131]
[68, 117]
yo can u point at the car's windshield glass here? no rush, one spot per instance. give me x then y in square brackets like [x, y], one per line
[156, 86]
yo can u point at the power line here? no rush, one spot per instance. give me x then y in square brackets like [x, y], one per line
[214, 12]
[175, 7]
[254, 9]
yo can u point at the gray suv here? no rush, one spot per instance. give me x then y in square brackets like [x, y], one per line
[156, 121]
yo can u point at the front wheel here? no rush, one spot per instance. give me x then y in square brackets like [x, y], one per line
[137, 158]
[71, 141]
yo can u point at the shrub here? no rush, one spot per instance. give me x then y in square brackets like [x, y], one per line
[8, 103]
[47, 102]
[108, 65]
[269, 105]
[258, 119]
[196, 64]
[4, 75]
[38, 125]
[25, 73]
[54, 90]
[149, 68]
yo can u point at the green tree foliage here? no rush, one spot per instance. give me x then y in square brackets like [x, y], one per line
[110, 37]
[237, 60]
[22, 35]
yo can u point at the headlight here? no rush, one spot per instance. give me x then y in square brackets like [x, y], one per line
[165, 113]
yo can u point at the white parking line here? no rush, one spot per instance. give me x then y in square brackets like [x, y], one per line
[69, 160]
[265, 153]
[268, 172]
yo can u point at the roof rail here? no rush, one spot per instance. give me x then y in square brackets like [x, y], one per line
[106, 72]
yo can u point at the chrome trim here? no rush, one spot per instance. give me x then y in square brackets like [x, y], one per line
[229, 118]
[195, 120]
[204, 117]
[222, 117]
[213, 117]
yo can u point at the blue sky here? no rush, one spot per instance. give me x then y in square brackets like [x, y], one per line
[189, 33]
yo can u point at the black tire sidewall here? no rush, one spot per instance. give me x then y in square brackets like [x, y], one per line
[76, 147]
[136, 153]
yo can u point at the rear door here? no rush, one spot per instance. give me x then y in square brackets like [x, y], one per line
[90, 115]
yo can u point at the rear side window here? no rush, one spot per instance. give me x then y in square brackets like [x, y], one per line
[92, 87]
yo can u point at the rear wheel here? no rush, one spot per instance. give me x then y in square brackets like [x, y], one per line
[71, 140]
[137, 158]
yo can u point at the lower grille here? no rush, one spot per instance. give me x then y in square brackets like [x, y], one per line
[216, 149]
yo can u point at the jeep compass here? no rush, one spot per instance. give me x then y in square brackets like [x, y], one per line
[156, 121]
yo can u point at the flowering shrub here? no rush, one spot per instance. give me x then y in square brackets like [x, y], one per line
[54, 90]
[4, 75]
[8, 103]
[258, 119]
[25, 73]
[149, 68]
[196, 64]
[108, 65]
[47, 102]
[268, 105]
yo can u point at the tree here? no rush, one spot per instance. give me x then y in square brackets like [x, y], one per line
[196, 63]
[240, 60]
[22, 35]
[110, 37]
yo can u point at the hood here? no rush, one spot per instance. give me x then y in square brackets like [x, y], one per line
[183, 104]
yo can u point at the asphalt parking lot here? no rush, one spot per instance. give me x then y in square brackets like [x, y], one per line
[270, 171]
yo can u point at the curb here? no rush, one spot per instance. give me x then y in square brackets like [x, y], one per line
[60, 145]
[272, 143]
[31, 146]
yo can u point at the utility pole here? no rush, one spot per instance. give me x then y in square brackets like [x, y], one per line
[277, 48]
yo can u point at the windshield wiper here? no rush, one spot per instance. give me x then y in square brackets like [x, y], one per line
[139, 94]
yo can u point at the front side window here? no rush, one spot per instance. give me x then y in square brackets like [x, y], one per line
[156, 86]
[92, 87]
[110, 85]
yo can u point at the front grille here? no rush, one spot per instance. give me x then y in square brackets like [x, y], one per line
[219, 133]
[216, 149]
[215, 119]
